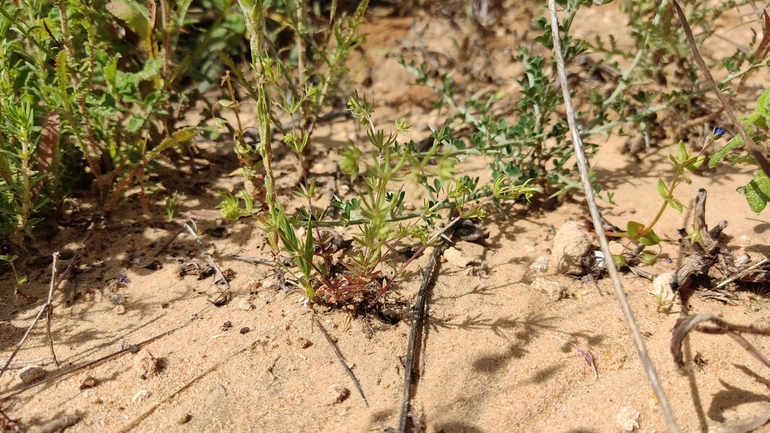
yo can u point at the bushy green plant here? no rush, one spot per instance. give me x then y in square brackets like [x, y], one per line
[90, 93]
[384, 162]
[662, 87]
[534, 147]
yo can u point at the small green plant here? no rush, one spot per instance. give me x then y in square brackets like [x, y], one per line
[171, 201]
[535, 148]
[684, 161]
[9, 257]
[82, 107]
[661, 93]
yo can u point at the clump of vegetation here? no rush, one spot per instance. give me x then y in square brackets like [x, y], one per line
[90, 93]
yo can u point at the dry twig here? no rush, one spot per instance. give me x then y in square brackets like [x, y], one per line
[597, 220]
[45, 309]
[341, 359]
[718, 326]
[192, 228]
[418, 323]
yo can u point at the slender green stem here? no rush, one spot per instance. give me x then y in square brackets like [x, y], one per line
[669, 195]
[253, 13]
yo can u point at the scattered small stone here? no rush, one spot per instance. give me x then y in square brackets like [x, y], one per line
[570, 245]
[227, 325]
[304, 342]
[154, 265]
[88, 382]
[244, 330]
[553, 289]
[164, 305]
[456, 257]
[31, 374]
[58, 424]
[540, 265]
[245, 304]
[146, 365]
[133, 348]
[662, 288]
[141, 396]
[120, 310]
[338, 394]
[628, 419]
[184, 419]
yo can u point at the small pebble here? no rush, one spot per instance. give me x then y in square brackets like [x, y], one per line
[146, 365]
[120, 310]
[31, 374]
[304, 342]
[338, 394]
[89, 382]
[628, 419]
[245, 305]
[184, 419]
[141, 395]
[245, 329]
[227, 325]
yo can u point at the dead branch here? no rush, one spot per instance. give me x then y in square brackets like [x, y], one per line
[597, 220]
[717, 326]
[341, 359]
[45, 309]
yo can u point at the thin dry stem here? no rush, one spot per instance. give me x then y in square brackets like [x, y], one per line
[46, 308]
[597, 220]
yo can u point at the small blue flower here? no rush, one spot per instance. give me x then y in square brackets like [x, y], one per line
[6, 249]
[718, 133]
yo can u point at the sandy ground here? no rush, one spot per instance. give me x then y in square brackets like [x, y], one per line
[499, 353]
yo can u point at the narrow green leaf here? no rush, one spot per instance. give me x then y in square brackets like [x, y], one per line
[135, 15]
[694, 163]
[682, 151]
[181, 136]
[309, 241]
[662, 189]
[676, 204]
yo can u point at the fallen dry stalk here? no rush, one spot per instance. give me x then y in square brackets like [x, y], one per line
[717, 326]
[192, 228]
[597, 220]
[341, 359]
[418, 323]
[45, 309]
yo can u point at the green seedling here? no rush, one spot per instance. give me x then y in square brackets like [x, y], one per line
[9, 257]
[684, 161]
[171, 202]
